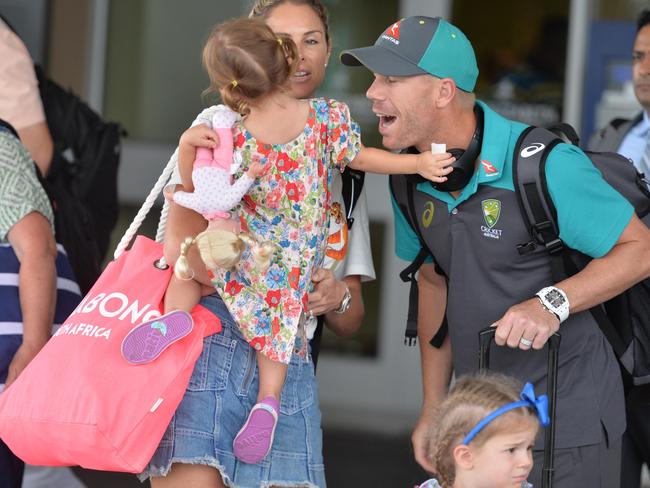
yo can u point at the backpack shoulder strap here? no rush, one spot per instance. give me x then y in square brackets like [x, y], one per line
[529, 176]
[399, 189]
[537, 209]
[402, 188]
[352, 185]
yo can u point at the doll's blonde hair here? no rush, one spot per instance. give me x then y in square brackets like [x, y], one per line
[470, 400]
[246, 61]
[223, 249]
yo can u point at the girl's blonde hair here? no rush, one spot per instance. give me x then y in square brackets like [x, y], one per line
[470, 400]
[222, 249]
[246, 61]
[262, 9]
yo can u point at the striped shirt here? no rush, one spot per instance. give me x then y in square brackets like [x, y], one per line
[20, 194]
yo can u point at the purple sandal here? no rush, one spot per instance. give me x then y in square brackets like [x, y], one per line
[147, 341]
[253, 442]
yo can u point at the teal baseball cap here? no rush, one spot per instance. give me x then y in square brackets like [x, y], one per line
[419, 45]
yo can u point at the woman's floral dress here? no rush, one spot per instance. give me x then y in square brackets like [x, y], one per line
[289, 206]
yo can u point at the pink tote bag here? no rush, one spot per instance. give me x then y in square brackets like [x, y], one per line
[79, 402]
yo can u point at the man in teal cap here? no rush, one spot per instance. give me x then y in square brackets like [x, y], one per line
[425, 73]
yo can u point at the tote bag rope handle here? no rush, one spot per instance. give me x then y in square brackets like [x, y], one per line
[144, 210]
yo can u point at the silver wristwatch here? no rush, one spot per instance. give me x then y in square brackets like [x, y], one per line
[346, 302]
[555, 301]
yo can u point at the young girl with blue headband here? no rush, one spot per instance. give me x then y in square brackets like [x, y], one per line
[484, 433]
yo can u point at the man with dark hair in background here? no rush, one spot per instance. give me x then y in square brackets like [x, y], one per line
[631, 138]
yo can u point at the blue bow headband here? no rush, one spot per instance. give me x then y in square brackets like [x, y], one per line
[528, 399]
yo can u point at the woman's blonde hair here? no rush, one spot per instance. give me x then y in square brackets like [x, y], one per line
[223, 249]
[470, 400]
[262, 9]
[246, 61]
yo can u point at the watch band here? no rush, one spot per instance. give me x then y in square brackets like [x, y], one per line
[541, 302]
[345, 303]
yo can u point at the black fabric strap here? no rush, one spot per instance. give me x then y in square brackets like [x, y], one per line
[409, 274]
[437, 340]
[317, 339]
[351, 190]
[406, 203]
[564, 130]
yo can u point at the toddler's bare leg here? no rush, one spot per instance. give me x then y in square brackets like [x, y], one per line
[182, 294]
[272, 376]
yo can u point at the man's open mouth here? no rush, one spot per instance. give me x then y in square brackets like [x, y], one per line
[386, 121]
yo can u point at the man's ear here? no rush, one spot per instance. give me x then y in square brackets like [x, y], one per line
[463, 457]
[446, 92]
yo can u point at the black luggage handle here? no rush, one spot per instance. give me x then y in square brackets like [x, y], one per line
[485, 337]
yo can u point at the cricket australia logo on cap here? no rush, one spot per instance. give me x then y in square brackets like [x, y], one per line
[491, 213]
[392, 33]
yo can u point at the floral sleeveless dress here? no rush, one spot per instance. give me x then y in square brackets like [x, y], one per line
[289, 206]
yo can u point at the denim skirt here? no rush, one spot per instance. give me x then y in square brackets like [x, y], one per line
[222, 390]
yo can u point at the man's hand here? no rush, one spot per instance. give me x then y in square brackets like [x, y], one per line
[328, 292]
[24, 354]
[421, 440]
[526, 325]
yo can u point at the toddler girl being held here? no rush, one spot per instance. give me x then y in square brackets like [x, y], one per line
[292, 146]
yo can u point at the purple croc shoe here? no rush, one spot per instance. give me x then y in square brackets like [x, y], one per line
[253, 442]
[145, 342]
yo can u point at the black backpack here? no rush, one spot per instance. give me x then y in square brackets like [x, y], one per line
[625, 319]
[352, 185]
[82, 179]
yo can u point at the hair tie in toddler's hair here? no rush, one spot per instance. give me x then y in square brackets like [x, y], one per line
[234, 83]
[279, 39]
[528, 399]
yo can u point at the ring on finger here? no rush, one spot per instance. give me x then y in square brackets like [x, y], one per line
[526, 342]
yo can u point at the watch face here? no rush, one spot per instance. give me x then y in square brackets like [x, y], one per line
[555, 298]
